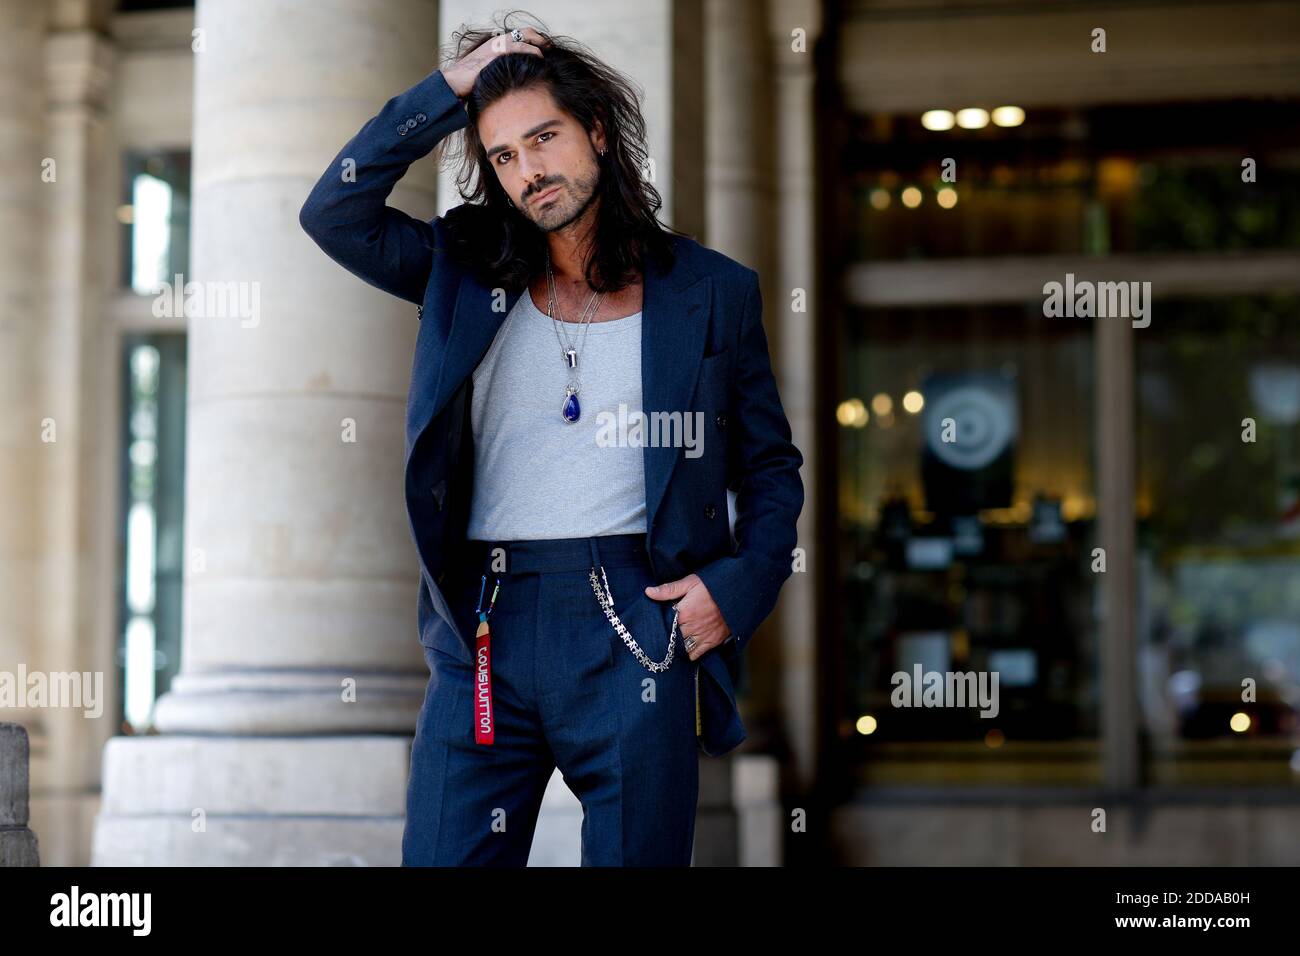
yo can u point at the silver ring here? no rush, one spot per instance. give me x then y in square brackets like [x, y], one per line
[517, 36]
[690, 642]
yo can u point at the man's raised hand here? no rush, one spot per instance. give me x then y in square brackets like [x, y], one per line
[460, 76]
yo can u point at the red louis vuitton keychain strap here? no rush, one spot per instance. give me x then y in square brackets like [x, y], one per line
[484, 717]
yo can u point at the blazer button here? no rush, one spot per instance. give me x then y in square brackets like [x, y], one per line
[420, 117]
[419, 312]
[401, 130]
[721, 421]
[709, 512]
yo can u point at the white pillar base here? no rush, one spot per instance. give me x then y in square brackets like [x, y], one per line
[253, 801]
[290, 702]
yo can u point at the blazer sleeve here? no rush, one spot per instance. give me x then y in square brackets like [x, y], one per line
[763, 469]
[346, 212]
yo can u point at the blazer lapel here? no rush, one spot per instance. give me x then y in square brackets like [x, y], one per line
[474, 323]
[674, 319]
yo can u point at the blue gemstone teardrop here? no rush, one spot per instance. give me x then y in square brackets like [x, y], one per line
[571, 408]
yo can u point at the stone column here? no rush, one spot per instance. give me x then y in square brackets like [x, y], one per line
[794, 28]
[738, 134]
[738, 793]
[23, 454]
[78, 599]
[284, 733]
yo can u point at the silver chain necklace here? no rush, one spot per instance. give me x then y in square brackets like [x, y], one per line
[571, 410]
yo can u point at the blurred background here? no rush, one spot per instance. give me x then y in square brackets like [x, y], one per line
[1117, 535]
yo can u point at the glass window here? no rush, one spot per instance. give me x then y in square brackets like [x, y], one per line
[969, 555]
[1218, 400]
[1143, 178]
[152, 519]
[969, 551]
[155, 218]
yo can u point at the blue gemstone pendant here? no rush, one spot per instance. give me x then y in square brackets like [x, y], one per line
[572, 411]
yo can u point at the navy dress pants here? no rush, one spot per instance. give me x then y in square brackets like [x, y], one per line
[567, 692]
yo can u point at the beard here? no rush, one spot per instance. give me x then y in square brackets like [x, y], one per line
[569, 204]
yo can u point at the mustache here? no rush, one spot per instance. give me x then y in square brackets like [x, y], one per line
[548, 184]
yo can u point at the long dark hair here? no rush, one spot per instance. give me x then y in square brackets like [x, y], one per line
[493, 238]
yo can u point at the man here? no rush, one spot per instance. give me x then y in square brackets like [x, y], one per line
[586, 387]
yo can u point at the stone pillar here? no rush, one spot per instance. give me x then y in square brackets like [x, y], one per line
[738, 135]
[738, 223]
[78, 599]
[287, 732]
[794, 28]
[23, 454]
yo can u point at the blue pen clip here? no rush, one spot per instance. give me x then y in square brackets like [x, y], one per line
[478, 609]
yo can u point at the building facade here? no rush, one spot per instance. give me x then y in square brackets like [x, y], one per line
[194, 527]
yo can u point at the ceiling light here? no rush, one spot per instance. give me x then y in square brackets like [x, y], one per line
[1008, 116]
[937, 120]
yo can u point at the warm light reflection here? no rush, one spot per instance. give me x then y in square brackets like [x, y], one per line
[882, 404]
[1117, 176]
[866, 725]
[1077, 507]
[852, 413]
[913, 402]
[946, 197]
[937, 120]
[972, 118]
[911, 197]
[1008, 116]
[1240, 723]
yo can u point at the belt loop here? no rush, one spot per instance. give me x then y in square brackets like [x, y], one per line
[595, 552]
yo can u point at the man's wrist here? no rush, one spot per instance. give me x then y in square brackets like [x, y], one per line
[454, 83]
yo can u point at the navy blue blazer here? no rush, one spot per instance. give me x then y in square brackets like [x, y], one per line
[703, 348]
